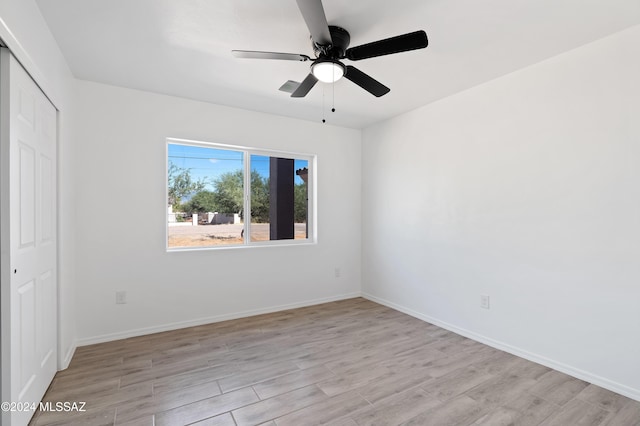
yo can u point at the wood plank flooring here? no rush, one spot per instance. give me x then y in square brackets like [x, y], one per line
[346, 363]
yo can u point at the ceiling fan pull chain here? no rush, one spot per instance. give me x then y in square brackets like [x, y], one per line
[323, 120]
[333, 92]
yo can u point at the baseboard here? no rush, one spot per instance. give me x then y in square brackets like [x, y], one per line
[547, 362]
[209, 320]
[64, 363]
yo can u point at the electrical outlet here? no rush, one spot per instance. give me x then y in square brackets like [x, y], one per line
[121, 297]
[337, 272]
[484, 301]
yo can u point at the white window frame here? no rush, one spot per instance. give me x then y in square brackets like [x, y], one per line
[247, 153]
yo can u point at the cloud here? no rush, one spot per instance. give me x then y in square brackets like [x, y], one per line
[213, 160]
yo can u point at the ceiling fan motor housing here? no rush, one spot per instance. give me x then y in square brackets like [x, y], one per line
[340, 41]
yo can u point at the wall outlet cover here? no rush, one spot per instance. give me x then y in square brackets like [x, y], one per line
[121, 297]
[484, 301]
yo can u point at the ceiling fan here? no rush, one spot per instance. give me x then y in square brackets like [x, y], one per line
[331, 44]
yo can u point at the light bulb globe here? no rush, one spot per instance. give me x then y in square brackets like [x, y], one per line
[328, 71]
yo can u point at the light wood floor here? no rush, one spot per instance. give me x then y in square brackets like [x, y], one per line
[345, 363]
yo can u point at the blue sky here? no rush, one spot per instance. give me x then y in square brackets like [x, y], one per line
[209, 163]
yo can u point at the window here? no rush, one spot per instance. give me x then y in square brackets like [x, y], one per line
[225, 196]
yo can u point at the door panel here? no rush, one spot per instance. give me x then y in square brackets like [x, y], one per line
[45, 340]
[27, 194]
[46, 200]
[26, 108]
[32, 257]
[25, 315]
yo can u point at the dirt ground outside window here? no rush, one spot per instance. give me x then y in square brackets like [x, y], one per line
[219, 235]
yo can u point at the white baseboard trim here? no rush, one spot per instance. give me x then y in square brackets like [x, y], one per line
[559, 366]
[64, 363]
[209, 320]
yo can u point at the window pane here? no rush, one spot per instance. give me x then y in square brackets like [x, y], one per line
[301, 199]
[259, 198]
[279, 198]
[205, 196]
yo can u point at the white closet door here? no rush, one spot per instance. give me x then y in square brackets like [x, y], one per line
[32, 237]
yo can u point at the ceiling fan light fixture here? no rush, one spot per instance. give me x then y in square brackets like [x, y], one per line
[327, 70]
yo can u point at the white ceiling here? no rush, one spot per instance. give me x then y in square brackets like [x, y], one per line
[182, 48]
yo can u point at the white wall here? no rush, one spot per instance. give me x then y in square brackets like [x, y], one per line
[526, 189]
[121, 163]
[24, 31]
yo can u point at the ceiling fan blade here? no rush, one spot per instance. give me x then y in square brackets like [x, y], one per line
[289, 86]
[304, 87]
[313, 14]
[397, 44]
[368, 83]
[253, 54]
